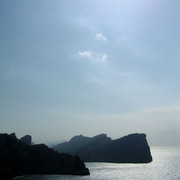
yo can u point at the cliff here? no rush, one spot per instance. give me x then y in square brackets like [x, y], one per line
[128, 149]
[17, 158]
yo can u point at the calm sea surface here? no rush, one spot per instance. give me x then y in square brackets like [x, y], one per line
[165, 166]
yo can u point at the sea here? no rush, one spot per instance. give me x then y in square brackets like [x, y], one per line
[165, 166]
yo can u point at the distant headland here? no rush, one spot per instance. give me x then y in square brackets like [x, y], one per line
[132, 148]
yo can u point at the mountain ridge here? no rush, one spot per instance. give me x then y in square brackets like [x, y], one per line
[132, 148]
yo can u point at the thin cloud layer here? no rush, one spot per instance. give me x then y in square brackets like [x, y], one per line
[94, 57]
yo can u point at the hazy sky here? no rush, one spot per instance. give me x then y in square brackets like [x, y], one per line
[70, 67]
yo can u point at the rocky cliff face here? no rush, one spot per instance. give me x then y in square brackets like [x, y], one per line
[17, 158]
[129, 149]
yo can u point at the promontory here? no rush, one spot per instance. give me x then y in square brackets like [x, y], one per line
[132, 148]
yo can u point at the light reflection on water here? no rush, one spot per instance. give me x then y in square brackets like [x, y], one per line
[165, 166]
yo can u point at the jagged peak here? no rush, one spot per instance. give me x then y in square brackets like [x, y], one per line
[100, 135]
[81, 137]
[13, 135]
[27, 139]
[78, 137]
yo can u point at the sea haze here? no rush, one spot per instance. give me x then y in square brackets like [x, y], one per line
[165, 166]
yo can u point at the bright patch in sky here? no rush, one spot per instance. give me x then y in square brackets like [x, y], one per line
[100, 37]
[85, 54]
[94, 57]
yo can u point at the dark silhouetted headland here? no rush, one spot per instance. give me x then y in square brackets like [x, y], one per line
[128, 149]
[18, 158]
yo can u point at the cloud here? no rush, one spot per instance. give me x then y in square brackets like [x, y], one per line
[104, 57]
[94, 57]
[100, 37]
[85, 54]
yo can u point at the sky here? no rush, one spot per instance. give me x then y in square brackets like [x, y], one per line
[90, 67]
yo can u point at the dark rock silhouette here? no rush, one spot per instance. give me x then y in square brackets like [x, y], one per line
[78, 142]
[17, 158]
[129, 149]
[27, 139]
[13, 135]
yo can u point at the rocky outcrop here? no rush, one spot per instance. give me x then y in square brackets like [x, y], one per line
[27, 139]
[129, 149]
[17, 158]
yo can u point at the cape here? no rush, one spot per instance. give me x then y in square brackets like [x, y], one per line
[132, 148]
